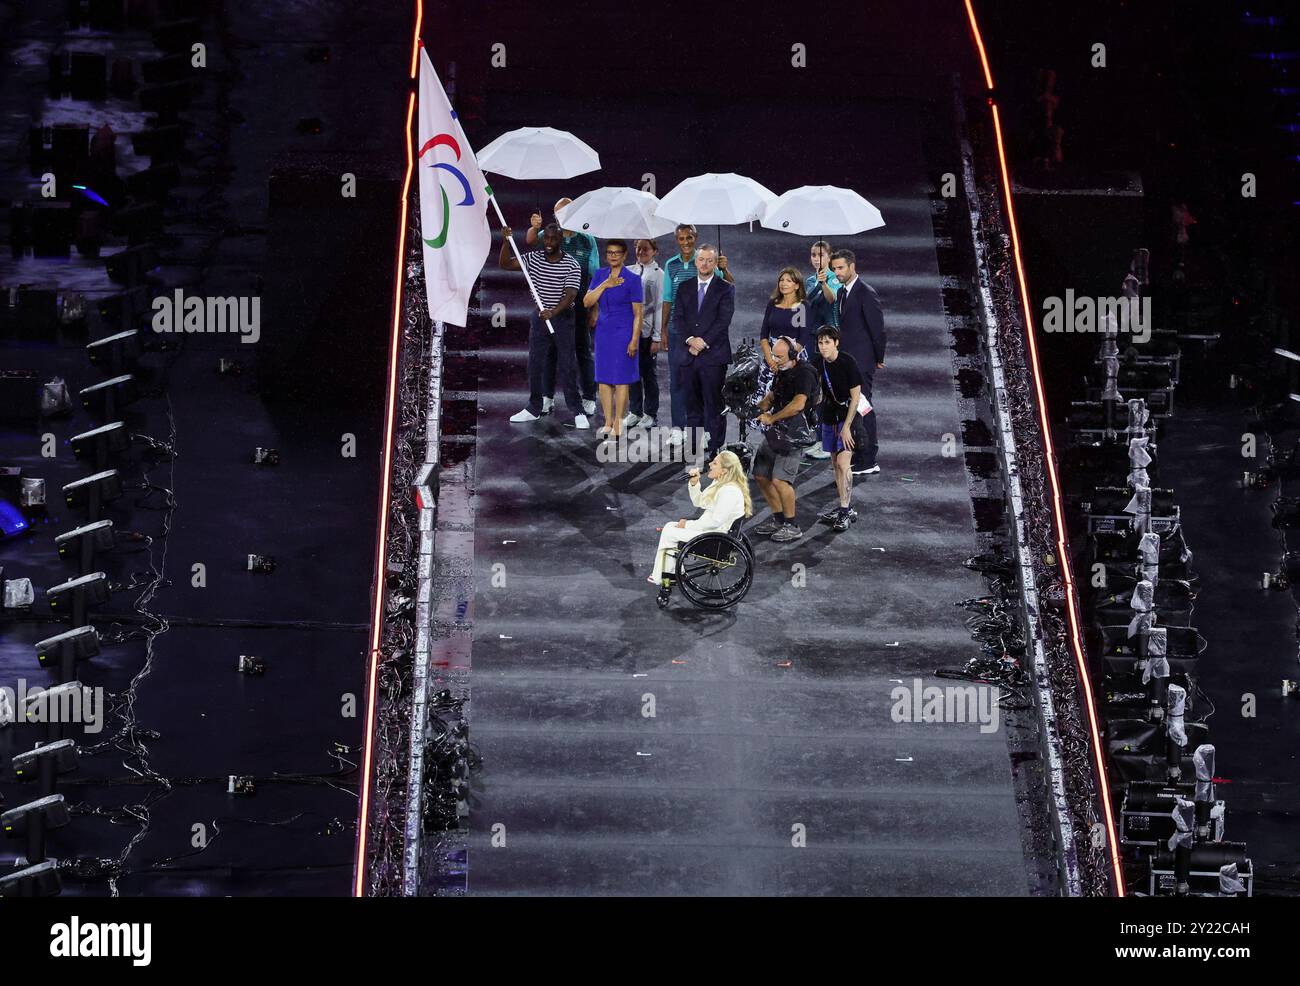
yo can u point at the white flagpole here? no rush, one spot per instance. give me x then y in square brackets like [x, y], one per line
[522, 266]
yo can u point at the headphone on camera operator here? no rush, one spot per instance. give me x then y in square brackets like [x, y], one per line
[784, 435]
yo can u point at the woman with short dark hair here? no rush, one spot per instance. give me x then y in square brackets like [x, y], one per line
[617, 297]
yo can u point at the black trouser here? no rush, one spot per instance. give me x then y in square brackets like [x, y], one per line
[643, 396]
[585, 361]
[702, 386]
[676, 389]
[864, 456]
[584, 348]
[547, 355]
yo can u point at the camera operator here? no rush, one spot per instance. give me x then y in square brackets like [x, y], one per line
[777, 463]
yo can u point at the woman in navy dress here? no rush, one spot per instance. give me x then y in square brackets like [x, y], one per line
[786, 315]
[616, 293]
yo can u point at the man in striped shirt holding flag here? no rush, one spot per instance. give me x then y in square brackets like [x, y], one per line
[556, 277]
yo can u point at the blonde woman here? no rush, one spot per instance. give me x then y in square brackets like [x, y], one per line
[724, 502]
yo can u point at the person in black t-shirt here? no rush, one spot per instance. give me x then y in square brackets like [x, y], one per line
[783, 406]
[841, 427]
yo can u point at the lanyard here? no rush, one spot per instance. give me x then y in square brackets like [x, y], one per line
[830, 388]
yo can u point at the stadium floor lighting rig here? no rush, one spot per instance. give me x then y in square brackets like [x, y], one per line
[1172, 824]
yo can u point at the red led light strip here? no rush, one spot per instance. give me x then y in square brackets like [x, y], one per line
[381, 548]
[1062, 549]
[979, 43]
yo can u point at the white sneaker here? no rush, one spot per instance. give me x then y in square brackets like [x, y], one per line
[524, 415]
[580, 422]
[548, 403]
[675, 437]
[646, 421]
[630, 420]
[816, 452]
[589, 407]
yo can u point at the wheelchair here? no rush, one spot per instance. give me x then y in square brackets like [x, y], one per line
[714, 570]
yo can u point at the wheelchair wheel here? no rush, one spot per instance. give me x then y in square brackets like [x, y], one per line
[715, 570]
[744, 543]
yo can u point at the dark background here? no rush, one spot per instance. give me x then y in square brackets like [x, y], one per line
[292, 97]
[1192, 97]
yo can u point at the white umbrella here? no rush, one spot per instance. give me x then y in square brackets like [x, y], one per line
[538, 153]
[535, 153]
[611, 211]
[822, 210]
[716, 200]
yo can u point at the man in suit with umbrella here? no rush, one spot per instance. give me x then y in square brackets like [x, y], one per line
[701, 318]
[862, 336]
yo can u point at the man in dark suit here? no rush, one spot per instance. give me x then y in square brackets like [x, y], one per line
[702, 314]
[862, 336]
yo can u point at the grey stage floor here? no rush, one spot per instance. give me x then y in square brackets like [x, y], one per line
[768, 721]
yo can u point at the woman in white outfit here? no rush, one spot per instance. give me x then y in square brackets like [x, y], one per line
[726, 499]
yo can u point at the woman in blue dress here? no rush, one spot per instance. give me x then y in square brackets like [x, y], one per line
[616, 294]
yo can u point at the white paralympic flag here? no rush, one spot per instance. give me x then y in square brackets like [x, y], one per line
[453, 203]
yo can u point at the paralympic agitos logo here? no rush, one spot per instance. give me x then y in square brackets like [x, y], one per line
[446, 140]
